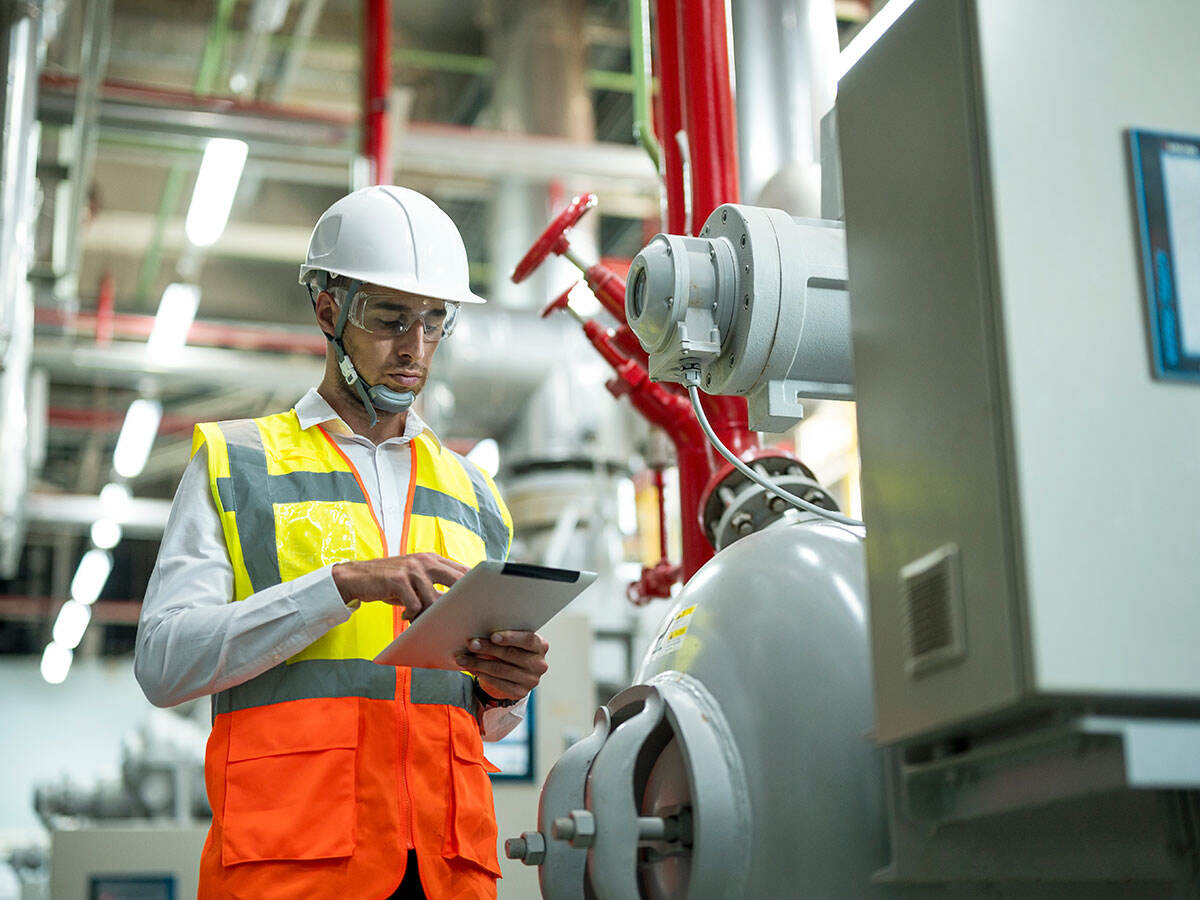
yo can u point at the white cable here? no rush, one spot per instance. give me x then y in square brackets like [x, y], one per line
[766, 483]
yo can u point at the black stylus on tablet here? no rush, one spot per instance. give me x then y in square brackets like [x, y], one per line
[493, 596]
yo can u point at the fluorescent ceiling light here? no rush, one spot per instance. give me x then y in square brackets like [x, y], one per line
[71, 623]
[869, 34]
[90, 577]
[216, 185]
[115, 499]
[137, 437]
[486, 455]
[56, 663]
[106, 534]
[176, 312]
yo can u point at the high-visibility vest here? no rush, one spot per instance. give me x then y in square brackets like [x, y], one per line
[325, 770]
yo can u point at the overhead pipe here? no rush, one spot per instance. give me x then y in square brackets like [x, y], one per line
[93, 59]
[377, 86]
[329, 138]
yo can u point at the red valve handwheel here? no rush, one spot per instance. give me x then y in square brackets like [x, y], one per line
[552, 237]
[559, 302]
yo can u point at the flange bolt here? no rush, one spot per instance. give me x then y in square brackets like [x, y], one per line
[578, 829]
[530, 848]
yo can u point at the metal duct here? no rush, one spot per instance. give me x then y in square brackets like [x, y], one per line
[785, 58]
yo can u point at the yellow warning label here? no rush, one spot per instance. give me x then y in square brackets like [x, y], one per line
[672, 635]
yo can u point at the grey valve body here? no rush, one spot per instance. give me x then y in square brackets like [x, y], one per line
[758, 302]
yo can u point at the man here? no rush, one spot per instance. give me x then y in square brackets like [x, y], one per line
[298, 545]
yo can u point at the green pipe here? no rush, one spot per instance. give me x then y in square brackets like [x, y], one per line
[639, 54]
[469, 64]
[206, 76]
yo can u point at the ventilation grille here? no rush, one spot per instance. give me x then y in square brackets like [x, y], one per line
[932, 596]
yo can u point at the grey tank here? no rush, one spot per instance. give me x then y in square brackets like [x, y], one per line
[778, 637]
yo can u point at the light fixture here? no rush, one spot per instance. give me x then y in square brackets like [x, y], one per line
[115, 499]
[486, 455]
[56, 663]
[106, 533]
[72, 622]
[216, 185]
[176, 312]
[90, 577]
[137, 437]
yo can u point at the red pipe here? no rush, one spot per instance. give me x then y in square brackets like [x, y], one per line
[116, 89]
[105, 305]
[709, 110]
[670, 107]
[207, 334]
[696, 94]
[663, 513]
[377, 84]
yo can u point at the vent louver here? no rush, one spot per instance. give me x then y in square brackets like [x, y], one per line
[931, 591]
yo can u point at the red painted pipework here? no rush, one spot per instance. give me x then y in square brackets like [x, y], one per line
[205, 334]
[670, 107]
[117, 89]
[377, 84]
[697, 95]
[673, 414]
[709, 111]
[105, 308]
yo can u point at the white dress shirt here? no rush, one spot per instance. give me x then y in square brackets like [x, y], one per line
[192, 641]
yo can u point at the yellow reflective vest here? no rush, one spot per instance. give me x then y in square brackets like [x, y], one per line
[324, 771]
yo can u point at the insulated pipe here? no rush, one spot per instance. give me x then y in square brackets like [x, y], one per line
[785, 58]
[377, 82]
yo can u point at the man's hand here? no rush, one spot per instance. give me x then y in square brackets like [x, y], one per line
[406, 581]
[508, 665]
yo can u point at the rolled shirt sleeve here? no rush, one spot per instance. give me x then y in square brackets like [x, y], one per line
[191, 640]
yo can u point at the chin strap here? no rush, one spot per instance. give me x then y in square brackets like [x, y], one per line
[374, 397]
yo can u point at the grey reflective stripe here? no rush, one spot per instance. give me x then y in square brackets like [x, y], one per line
[249, 488]
[495, 529]
[312, 678]
[428, 502]
[442, 686]
[251, 491]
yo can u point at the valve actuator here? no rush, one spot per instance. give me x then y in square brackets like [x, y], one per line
[757, 302]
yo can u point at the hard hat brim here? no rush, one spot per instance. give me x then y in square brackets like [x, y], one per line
[401, 284]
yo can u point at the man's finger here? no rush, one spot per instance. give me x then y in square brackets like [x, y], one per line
[525, 640]
[425, 593]
[517, 656]
[527, 673]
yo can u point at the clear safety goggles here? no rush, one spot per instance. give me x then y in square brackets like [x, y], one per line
[392, 315]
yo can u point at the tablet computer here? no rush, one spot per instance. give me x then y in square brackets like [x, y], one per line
[493, 596]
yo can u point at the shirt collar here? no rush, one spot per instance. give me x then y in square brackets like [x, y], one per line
[313, 409]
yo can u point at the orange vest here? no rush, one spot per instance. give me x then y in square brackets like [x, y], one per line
[325, 770]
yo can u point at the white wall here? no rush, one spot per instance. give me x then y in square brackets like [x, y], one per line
[48, 729]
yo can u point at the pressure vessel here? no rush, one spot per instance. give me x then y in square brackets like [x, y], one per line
[739, 764]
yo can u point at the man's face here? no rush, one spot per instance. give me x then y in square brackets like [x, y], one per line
[392, 335]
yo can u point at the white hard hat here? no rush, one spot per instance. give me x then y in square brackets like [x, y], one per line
[393, 237]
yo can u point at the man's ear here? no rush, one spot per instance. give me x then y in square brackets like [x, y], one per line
[326, 309]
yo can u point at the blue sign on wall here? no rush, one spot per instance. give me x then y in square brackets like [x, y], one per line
[1166, 176]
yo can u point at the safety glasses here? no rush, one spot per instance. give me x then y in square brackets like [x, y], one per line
[393, 315]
